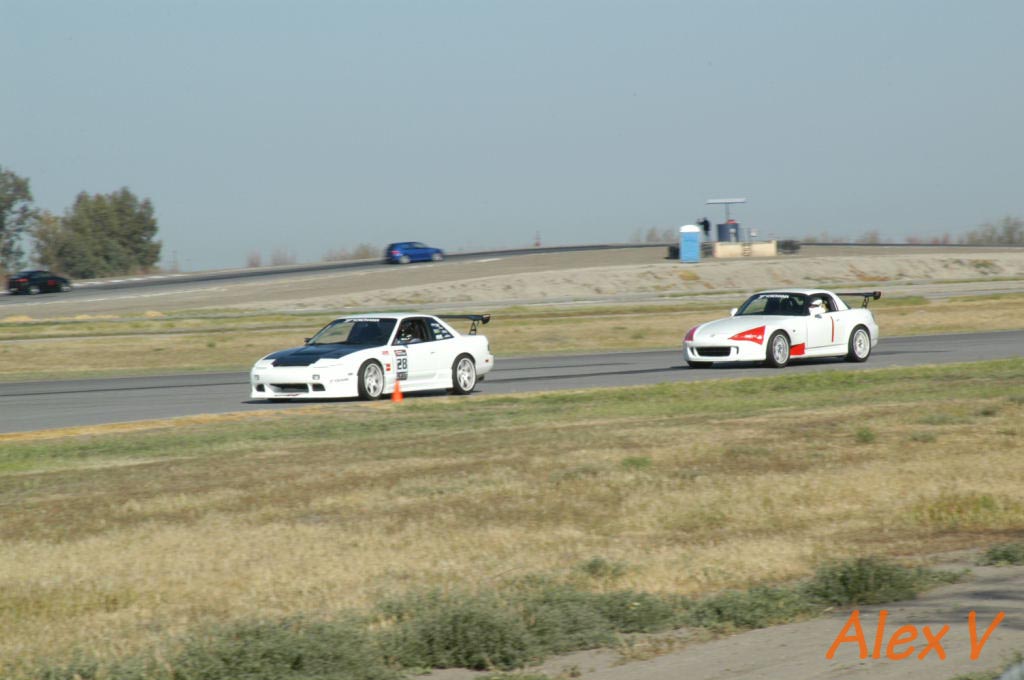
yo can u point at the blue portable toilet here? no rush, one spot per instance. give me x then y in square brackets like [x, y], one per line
[689, 243]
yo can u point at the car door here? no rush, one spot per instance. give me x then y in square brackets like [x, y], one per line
[822, 331]
[415, 354]
[417, 252]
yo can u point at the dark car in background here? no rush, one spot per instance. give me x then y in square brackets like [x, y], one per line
[405, 252]
[34, 281]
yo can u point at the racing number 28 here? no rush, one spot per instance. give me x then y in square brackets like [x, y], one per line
[402, 364]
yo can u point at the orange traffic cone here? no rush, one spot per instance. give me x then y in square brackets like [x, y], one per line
[397, 394]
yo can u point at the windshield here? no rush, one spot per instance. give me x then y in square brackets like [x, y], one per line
[773, 304]
[362, 332]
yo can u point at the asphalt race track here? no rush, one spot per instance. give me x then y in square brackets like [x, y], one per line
[31, 406]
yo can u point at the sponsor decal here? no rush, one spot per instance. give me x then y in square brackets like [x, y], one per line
[752, 335]
[899, 647]
[798, 350]
[402, 376]
[400, 352]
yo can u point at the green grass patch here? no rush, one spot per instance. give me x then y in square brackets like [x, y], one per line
[871, 581]
[1004, 554]
[509, 628]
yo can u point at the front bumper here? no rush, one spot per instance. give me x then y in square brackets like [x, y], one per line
[718, 352]
[302, 382]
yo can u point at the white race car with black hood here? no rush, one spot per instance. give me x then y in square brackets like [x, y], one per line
[365, 355]
[775, 326]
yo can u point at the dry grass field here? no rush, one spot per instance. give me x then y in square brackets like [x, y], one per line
[111, 543]
[210, 341]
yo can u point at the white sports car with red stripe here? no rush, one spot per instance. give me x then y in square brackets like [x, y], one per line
[775, 326]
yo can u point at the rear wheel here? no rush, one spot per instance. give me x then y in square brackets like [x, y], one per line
[404, 259]
[65, 287]
[463, 375]
[371, 381]
[33, 290]
[860, 345]
[778, 350]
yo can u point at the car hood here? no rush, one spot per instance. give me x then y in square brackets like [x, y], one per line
[724, 329]
[310, 354]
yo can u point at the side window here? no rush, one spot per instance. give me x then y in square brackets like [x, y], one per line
[439, 332]
[420, 330]
[412, 331]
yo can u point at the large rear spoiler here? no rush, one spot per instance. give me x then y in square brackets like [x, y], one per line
[871, 295]
[477, 319]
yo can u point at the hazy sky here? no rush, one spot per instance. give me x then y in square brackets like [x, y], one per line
[310, 126]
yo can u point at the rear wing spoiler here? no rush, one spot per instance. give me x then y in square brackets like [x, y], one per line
[477, 320]
[871, 295]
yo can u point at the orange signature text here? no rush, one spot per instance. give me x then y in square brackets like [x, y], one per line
[899, 643]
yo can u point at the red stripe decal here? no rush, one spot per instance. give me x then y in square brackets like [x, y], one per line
[833, 329]
[752, 335]
[797, 350]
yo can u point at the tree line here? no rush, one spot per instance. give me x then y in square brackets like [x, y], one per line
[99, 235]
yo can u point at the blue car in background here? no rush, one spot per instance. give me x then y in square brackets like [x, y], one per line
[411, 251]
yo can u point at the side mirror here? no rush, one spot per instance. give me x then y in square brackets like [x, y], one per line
[306, 340]
[732, 312]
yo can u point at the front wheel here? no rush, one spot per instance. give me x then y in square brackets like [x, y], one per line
[860, 345]
[463, 375]
[437, 257]
[33, 290]
[371, 381]
[778, 350]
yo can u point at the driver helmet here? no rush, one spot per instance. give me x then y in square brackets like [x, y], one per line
[817, 306]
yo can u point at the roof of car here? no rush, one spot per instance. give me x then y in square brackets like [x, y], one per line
[378, 315]
[797, 291]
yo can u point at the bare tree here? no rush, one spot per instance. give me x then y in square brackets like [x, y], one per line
[282, 255]
[1008, 232]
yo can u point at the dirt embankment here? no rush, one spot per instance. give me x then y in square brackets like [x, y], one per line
[907, 274]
